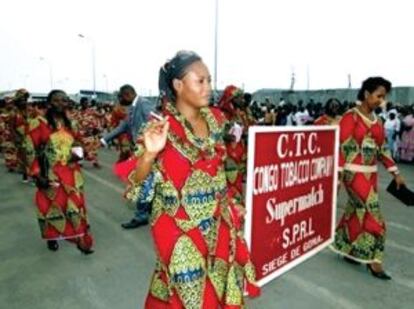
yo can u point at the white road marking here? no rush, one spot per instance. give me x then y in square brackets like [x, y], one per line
[108, 184]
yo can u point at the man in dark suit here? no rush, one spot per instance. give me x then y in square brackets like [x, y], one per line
[139, 110]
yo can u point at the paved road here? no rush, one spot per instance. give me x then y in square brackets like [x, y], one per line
[117, 275]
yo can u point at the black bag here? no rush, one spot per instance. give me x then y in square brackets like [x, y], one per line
[403, 193]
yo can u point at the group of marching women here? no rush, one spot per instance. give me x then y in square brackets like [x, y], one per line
[196, 221]
[197, 213]
[39, 140]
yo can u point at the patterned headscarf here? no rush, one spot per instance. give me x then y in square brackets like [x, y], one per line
[226, 101]
[175, 69]
[21, 95]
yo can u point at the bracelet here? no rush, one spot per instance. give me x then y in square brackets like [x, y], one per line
[396, 172]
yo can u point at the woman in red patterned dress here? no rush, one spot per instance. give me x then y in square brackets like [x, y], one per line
[53, 162]
[331, 115]
[202, 259]
[360, 235]
[8, 147]
[89, 129]
[124, 140]
[232, 105]
[19, 124]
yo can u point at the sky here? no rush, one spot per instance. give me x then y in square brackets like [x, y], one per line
[260, 42]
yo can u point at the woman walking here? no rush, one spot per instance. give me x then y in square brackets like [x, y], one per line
[53, 162]
[360, 235]
[202, 259]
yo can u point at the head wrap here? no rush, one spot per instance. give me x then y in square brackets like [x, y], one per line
[175, 69]
[52, 93]
[226, 101]
[21, 95]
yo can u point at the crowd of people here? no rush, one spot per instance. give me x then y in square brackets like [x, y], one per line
[197, 211]
[398, 119]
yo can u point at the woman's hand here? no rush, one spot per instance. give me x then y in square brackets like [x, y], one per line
[399, 180]
[77, 154]
[155, 136]
[42, 183]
